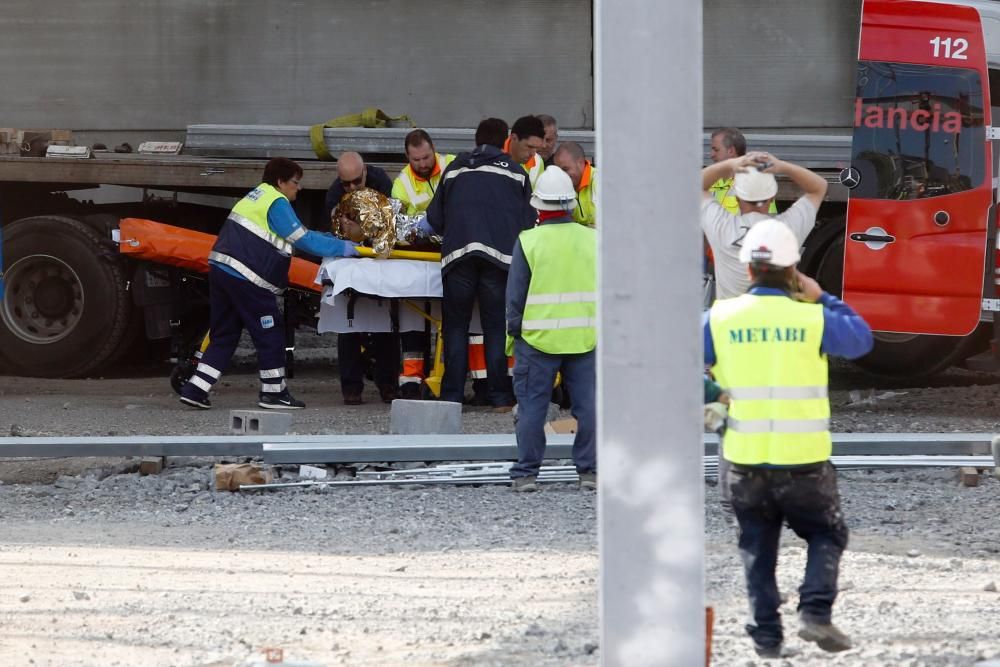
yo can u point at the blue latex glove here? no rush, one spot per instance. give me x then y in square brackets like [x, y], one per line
[425, 227]
[351, 250]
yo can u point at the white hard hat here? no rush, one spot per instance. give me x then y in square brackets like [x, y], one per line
[554, 191]
[752, 185]
[771, 242]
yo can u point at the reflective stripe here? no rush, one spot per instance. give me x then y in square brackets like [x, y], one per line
[472, 247]
[779, 393]
[296, 234]
[477, 340]
[273, 373]
[272, 388]
[560, 323]
[564, 297]
[477, 375]
[213, 373]
[409, 379]
[275, 240]
[244, 271]
[202, 384]
[778, 425]
[485, 168]
[410, 192]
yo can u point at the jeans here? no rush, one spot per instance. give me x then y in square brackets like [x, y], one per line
[466, 281]
[807, 498]
[534, 375]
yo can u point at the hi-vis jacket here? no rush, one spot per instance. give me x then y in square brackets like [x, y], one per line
[415, 192]
[248, 245]
[552, 288]
[586, 197]
[769, 353]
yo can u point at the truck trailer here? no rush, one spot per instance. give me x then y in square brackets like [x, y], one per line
[889, 100]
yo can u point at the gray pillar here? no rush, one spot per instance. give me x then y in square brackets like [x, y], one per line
[648, 120]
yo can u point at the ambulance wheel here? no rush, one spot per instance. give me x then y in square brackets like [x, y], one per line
[66, 308]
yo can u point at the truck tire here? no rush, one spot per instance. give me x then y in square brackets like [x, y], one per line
[895, 355]
[65, 308]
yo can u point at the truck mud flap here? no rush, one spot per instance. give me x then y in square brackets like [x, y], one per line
[188, 249]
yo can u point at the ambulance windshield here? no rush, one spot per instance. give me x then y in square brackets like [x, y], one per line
[919, 131]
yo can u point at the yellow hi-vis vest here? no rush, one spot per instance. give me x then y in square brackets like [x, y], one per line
[586, 204]
[560, 313]
[768, 359]
[247, 244]
[416, 193]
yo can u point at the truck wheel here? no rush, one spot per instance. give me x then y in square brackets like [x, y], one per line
[65, 307]
[894, 354]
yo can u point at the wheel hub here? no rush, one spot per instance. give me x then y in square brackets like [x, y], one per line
[43, 299]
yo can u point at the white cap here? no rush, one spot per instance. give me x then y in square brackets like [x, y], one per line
[752, 185]
[771, 242]
[554, 191]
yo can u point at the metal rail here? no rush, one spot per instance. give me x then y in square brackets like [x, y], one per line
[467, 447]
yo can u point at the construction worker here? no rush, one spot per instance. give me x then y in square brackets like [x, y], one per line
[353, 174]
[768, 350]
[571, 159]
[552, 328]
[415, 187]
[527, 137]
[418, 180]
[551, 139]
[754, 187]
[248, 270]
[481, 206]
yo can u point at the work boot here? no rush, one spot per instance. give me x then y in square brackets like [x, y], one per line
[524, 484]
[282, 401]
[774, 652]
[826, 635]
[388, 392]
[588, 480]
[352, 398]
[410, 391]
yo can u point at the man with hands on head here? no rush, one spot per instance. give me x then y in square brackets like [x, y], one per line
[755, 187]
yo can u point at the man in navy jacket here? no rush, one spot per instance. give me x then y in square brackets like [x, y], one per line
[479, 209]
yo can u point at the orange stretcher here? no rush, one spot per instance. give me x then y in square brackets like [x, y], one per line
[188, 249]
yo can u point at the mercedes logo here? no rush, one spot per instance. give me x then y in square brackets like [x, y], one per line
[850, 178]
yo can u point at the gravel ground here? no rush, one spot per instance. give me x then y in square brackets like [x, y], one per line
[107, 568]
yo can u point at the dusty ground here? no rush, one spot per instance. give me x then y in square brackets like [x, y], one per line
[162, 571]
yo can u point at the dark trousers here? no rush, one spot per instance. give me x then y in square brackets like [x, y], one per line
[236, 304]
[383, 346]
[534, 375]
[466, 281]
[807, 498]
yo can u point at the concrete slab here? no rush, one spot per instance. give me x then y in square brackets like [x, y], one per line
[425, 417]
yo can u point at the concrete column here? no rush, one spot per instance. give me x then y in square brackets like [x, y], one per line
[648, 68]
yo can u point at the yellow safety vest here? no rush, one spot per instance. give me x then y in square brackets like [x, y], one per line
[768, 359]
[416, 193]
[535, 166]
[586, 207]
[560, 312]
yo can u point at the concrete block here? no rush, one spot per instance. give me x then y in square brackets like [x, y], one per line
[259, 422]
[151, 465]
[425, 417]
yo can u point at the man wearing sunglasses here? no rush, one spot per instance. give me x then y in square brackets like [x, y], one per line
[353, 174]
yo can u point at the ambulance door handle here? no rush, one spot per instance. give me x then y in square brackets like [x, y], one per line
[875, 238]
